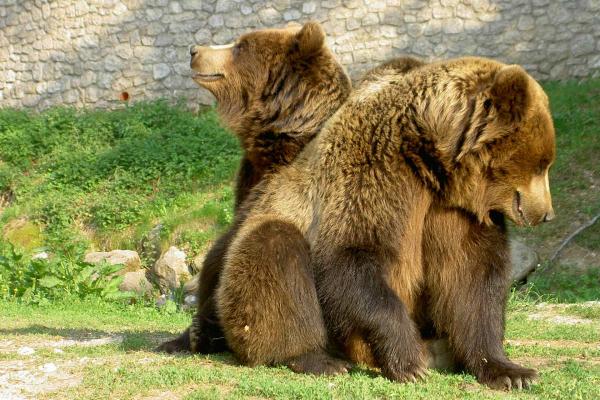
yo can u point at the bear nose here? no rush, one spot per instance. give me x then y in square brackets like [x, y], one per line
[193, 50]
[549, 216]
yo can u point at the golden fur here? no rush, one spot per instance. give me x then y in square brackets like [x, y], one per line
[465, 137]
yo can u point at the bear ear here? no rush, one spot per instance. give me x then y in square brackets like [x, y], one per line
[310, 39]
[510, 96]
[510, 93]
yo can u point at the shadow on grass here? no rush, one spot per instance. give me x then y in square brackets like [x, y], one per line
[132, 340]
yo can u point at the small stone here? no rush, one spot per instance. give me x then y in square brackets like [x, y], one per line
[246, 9]
[175, 7]
[223, 6]
[291, 15]
[203, 36]
[269, 16]
[48, 368]
[309, 7]
[160, 71]
[526, 23]
[163, 40]
[190, 300]
[583, 44]
[216, 21]
[40, 256]
[112, 63]
[192, 4]
[26, 351]
[370, 19]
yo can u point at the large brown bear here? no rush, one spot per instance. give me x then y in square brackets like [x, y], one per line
[275, 89]
[393, 218]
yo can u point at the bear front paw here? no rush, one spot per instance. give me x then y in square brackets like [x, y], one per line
[406, 373]
[505, 375]
[409, 367]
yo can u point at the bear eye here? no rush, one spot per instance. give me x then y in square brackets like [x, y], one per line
[487, 104]
[238, 48]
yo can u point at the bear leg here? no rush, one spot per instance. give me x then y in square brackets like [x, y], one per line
[267, 301]
[468, 278]
[205, 334]
[356, 298]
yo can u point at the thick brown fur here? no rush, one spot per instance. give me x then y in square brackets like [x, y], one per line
[275, 89]
[456, 144]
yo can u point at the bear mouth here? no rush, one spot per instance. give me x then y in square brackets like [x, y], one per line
[518, 210]
[207, 77]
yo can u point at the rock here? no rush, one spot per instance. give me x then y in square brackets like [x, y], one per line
[190, 300]
[135, 281]
[40, 256]
[26, 351]
[171, 269]
[129, 258]
[48, 368]
[523, 259]
[161, 301]
[151, 246]
[160, 71]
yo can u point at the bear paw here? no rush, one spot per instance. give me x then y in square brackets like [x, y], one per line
[179, 345]
[505, 375]
[407, 373]
[318, 363]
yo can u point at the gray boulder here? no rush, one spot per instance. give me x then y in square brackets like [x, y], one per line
[136, 281]
[129, 258]
[523, 259]
[171, 270]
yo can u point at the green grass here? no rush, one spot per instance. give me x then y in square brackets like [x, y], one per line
[568, 359]
[73, 179]
[106, 178]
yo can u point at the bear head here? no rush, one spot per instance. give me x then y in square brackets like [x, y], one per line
[508, 132]
[276, 80]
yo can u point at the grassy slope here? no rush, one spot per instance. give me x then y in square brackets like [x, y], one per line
[105, 178]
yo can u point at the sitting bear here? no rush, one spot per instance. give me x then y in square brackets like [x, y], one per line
[348, 233]
[275, 89]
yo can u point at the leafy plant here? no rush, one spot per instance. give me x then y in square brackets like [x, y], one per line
[34, 280]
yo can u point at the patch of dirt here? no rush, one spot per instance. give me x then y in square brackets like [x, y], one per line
[549, 312]
[579, 257]
[31, 375]
[559, 319]
[29, 378]
[559, 344]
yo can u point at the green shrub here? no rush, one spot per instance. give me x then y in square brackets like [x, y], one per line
[36, 280]
[83, 173]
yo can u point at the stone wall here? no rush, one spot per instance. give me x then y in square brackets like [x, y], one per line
[90, 52]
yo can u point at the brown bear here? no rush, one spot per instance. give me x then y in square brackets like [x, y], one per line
[350, 228]
[275, 89]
